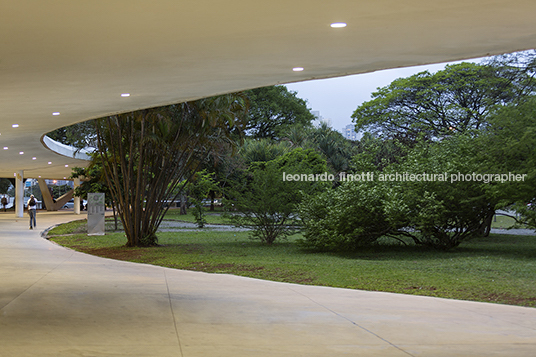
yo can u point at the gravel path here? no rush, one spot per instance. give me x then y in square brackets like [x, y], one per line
[517, 232]
[171, 226]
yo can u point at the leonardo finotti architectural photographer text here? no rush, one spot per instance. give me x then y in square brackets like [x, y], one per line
[406, 176]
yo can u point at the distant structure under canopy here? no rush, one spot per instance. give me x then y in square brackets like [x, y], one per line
[349, 132]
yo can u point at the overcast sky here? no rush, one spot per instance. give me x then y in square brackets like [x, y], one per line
[337, 98]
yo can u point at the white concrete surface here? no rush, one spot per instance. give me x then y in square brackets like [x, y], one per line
[57, 302]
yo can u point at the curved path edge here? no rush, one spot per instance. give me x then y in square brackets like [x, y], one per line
[58, 302]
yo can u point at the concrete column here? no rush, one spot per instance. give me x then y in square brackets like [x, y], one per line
[76, 199]
[45, 193]
[19, 194]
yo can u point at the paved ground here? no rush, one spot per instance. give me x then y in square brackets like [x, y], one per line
[57, 302]
[521, 232]
[173, 226]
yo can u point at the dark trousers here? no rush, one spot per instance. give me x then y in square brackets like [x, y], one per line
[31, 212]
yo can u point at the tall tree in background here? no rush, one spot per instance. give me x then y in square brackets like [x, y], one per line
[147, 154]
[80, 135]
[457, 99]
[337, 150]
[274, 109]
[519, 68]
[262, 150]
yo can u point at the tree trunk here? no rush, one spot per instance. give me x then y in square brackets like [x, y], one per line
[115, 215]
[212, 197]
[486, 225]
[183, 203]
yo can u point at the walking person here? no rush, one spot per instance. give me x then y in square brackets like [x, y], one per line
[32, 205]
[4, 202]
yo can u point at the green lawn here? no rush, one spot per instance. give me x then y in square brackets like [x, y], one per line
[80, 226]
[501, 268]
[211, 217]
[502, 222]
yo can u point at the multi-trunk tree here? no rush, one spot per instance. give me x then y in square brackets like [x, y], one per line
[146, 155]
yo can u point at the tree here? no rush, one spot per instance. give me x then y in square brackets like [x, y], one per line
[457, 99]
[147, 154]
[297, 136]
[345, 218]
[380, 152]
[333, 146]
[433, 196]
[5, 184]
[198, 189]
[80, 135]
[509, 146]
[273, 110]
[447, 200]
[266, 202]
[262, 150]
[519, 68]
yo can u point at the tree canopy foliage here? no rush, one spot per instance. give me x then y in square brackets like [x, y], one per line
[80, 135]
[336, 149]
[273, 110]
[457, 99]
[509, 145]
[459, 130]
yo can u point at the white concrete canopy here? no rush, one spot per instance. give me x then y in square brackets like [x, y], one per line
[76, 58]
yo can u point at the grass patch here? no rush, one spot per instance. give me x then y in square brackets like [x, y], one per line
[211, 217]
[500, 268]
[504, 222]
[79, 226]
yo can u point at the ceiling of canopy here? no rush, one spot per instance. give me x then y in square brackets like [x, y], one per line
[65, 61]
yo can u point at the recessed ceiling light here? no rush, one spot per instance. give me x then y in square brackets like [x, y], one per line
[338, 25]
[297, 69]
[5, 148]
[56, 113]
[125, 95]
[21, 153]
[15, 125]
[66, 165]
[34, 158]
[50, 162]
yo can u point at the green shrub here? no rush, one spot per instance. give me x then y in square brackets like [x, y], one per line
[265, 202]
[345, 218]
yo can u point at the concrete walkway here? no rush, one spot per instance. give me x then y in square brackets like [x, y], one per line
[57, 302]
